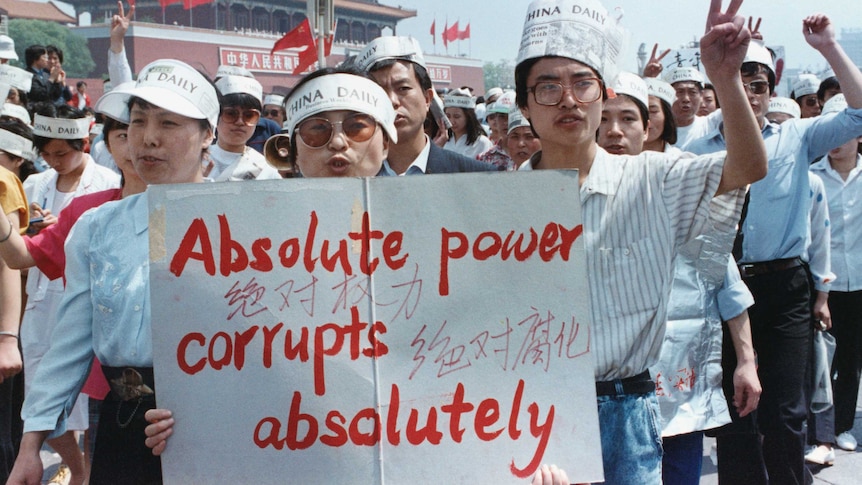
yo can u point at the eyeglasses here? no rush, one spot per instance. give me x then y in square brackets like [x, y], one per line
[275, 112]
[811, 102]
[757, 87]
[317, 132]
[549, 93]
[249, 116]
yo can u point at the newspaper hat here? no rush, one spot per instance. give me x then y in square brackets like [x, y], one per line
[275, 99]
[503, 104]
[660, 89]
[681, 74]
[239, 85]
[389, 47]
[16, 77]
[805, 84]
[16, 111]
[516, 119]
[459, 98]
[61, 128]
[632, 85]
[829, 72]
[779, 104]
[169, 84]
[15, 144]
[757, 52]
[341, 91]
[97, 129]
[835, 104]
[226, 70]
[493, 92]
[7, 48]
[581, 30]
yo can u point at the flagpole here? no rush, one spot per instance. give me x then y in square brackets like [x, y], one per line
[191, 7]
[459, 37]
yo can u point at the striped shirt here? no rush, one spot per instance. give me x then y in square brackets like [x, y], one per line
[636, 211]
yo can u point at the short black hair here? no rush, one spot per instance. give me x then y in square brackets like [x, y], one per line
[420, 72]
[668, 133]
[240, 100]
[52, 49]
[111, 125]
[79, 84]
[825, 85]
[33, 53]
[63, 112]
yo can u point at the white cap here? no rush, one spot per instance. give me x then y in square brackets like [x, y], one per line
[495, 91]
[273, 98]
[681, 74]
[835, 104]
[503, 104]
[169, 84]
[239, 85]
[829, 72]
[7, 48]
[805, 84]
[459, 98]
[389, 47]
[226, 70]
[632, 85]
[16, 77]
[660, 89]
[757, 52]
[516, 119]
[61, 128]
[580, 30]
[779, 104]
[15, 144]
[17, 111]
[341, 91]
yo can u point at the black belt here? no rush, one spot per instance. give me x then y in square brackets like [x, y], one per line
[128, 383]
[639, 384]
[747, 270]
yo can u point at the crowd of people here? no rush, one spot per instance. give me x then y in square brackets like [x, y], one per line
[720, 233]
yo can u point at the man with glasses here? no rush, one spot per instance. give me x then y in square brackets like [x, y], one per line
[637, 210]
[398, 66]
[232, 159]
[805, 94]
[771, 252]
[273, 108]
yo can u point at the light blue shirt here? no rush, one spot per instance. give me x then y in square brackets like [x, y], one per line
[105, 310]
[777, 225]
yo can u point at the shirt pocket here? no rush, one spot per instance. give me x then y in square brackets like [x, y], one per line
[779, 180]
[632, 278]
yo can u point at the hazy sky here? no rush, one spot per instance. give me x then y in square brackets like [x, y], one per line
[496, 26]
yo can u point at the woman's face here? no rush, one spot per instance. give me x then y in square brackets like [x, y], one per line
[118, 145]
[236, 126]
[521, 144]
[458, 119]
[60, 156]
[165, 147]
[14, 97]
[656, 119]
[340, 155]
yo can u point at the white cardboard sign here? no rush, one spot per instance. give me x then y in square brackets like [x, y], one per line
[391, 330]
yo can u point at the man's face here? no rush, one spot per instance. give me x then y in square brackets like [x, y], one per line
[410, 101]
[759, 102]
[707, 102]
[688, 99]
[274, 112]
[808, 105]
[53, 60]
[569, 123]
[622, 131]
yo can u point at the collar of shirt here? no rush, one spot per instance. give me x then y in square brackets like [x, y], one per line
[825, 169]
[604, 176]
[418, 166]
[141, 217]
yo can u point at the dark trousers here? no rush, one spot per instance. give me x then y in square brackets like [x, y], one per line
[846, 309]
[11, 398]
[682, 460]
[781, 331]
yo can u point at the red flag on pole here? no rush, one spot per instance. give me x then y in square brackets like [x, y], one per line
[190, 4]
[464, 34]
[165, 3]
[433, 32]
[451, 34]
[443, 35]
[327, 42]
[298, 37]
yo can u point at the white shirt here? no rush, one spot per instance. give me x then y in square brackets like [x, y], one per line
[637, 210]
[480, 146]
[699, 128]
[248, 165]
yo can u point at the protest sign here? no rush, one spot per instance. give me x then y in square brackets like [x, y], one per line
[389, 330]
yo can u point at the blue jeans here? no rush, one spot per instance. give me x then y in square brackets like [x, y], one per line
[631, 439]
[682, 462]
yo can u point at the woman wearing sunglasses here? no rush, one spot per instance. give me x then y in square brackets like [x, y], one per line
[339, 124]
[232, 159]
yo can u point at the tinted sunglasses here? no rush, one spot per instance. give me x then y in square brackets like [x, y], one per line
[317, 132]
[249, 116]
[275, 112]
[757, 87]
[811, 102]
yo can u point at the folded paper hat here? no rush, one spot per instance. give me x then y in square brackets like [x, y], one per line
[581, 30]
[660, 89]
[240, 85]
[169, 84]
[516, 119]
[273, 98]
[227, 70]
[684, 74]
[503, 104]
[835, 104]
[15, 144]
[632, 85]
[389, 47]
[459, 98]
[493, 92]
[16, 111]
[341, 91]
[805, 84]
[757, 52]
[16, 77]
[779, 104]
[62, 128]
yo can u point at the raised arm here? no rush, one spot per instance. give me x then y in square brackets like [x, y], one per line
[723, 49]
[820, 34]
